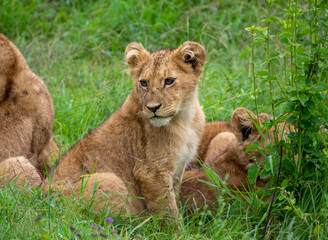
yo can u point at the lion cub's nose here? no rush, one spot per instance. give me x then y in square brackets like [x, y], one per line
[153, 108]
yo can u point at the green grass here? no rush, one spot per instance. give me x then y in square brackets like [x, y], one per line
[77, 47]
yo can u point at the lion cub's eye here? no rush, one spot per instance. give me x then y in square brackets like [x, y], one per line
[169, 81]
[143, 83]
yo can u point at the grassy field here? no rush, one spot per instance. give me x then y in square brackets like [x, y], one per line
[77, 47]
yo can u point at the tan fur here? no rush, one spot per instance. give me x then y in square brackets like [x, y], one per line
[226, 156]
[54, 150]
[145, 154]
[26, 110]
[95, 190]
[21, 171]
[211, 130]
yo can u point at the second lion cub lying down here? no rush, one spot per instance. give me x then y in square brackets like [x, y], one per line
[142, 148]
[223, 147]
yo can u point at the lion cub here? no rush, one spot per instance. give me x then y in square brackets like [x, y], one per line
[141, 150]
[223, 147]
[21, 171]
[26, 113]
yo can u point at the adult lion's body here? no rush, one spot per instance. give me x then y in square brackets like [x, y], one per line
[143, 147]
[26, 110]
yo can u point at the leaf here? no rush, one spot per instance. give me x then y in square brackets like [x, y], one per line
[288, 107]
[284, 183]
[258, 40]
[250, 148]
[288, 208]
[265, 32]
[304, 31]
[300, 70]
[253, 171]
[310, 105]
[250, 29]
[303, 99]
[244, 53]
[275, 61]
[300, 50]
[302, 59]
[274, 19]
[289, 89]
[272, 77]
[275, 54]
[267, 166]
[286, 34]
[271, 164]
[262, 73]
[306, 114]
[288, 166]
[265, 174]
[285, 41]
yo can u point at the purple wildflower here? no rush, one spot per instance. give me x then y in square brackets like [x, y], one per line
[103, 235]
[94, 226]
[99, 228]
[109, 220]
[94, 235]
[78, 235]
[138, 236]
[72, 228]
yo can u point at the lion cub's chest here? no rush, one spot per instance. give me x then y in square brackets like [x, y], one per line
[186, 150]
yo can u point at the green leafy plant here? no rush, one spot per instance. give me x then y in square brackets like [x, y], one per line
[300, 42]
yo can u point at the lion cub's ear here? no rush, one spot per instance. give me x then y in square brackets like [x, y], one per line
[243, 126]
[135, 56]
[192, 54]
[7, 55]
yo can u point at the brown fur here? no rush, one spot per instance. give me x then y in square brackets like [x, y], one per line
[21, 170]
[226, 156]
[145, 155]
[211, 130]
[54, 150]
[95, 189]
[26, 110]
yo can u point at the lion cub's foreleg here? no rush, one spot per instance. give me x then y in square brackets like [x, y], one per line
[157, 188]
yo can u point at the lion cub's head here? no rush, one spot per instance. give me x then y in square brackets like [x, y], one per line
[245, 131]
[166, 80]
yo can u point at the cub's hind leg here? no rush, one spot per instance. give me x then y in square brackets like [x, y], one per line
[20, 170]
[107, 190]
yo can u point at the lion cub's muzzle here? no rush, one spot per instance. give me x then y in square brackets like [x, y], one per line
[153, 108]
[158, 115]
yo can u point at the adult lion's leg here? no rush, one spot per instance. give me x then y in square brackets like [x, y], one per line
[20, 170]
